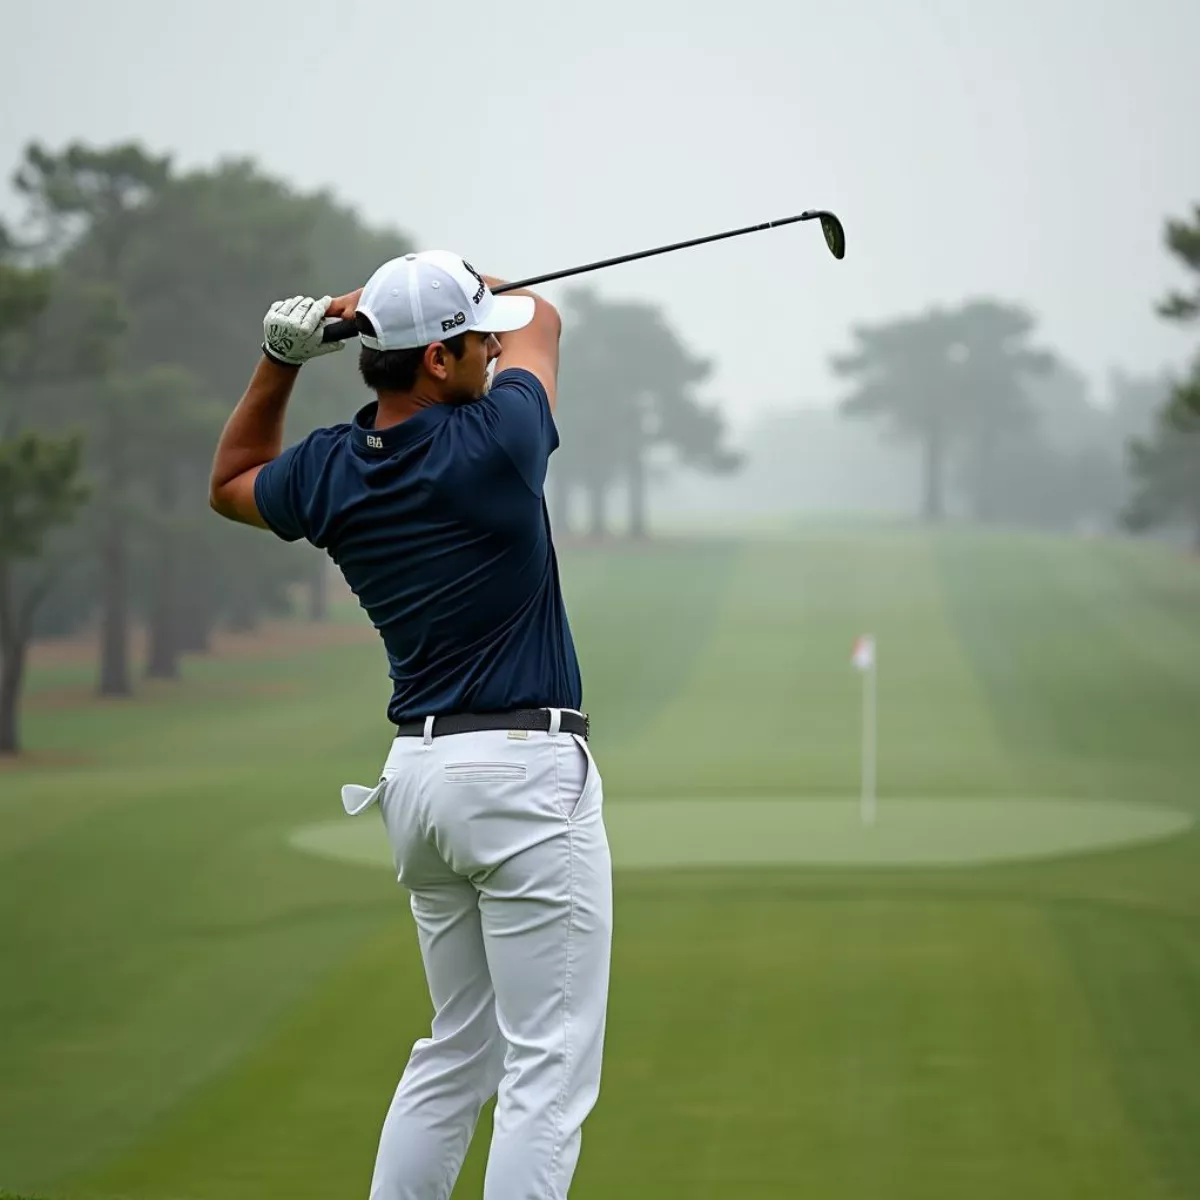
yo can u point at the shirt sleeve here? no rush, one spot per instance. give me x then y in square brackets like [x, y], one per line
[278, 494]
[522, 424]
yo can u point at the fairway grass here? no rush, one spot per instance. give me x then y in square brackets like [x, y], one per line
[993, 991]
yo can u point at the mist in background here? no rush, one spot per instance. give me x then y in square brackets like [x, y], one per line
[1026, 151]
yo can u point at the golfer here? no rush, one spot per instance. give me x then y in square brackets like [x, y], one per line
[431, 503]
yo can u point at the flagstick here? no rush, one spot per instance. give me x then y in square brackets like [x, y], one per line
[868, 745]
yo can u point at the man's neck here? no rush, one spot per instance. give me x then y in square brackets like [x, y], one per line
[395, 407]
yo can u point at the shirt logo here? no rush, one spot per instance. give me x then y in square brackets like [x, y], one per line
[374, 441]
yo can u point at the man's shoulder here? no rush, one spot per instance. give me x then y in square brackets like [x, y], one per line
[515, 418]
[329, 435]
[518, 379]
[516, 395]
[323, 442]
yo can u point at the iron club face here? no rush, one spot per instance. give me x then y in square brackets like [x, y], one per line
[831, 227]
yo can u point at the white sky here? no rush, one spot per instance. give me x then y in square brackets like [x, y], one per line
[1028, 149]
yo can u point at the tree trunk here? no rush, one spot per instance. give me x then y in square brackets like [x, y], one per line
[195, 621]
[597, 508]
[13, 641]
[12, 672]
[241, 610]
[16, 632]
[162, 660]
[982, 485]
[114, 566]
[114, 621]
[318, 592]
[637, 496]
[931, 507]
[199, 571]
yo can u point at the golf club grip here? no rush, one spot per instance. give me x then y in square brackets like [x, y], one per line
[339, 331]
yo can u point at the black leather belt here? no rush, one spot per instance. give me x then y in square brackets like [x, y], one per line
[522, 718]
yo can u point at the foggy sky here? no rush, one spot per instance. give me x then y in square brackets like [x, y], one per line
[1029, 149]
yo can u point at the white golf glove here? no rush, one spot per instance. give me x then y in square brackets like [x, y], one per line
[292, 331]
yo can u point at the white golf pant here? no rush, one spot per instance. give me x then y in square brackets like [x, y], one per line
[500, 840]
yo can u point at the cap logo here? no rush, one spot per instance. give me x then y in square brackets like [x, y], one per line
[449, 323]
[475, 299]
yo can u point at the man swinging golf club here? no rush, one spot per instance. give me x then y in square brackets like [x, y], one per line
[431, 502]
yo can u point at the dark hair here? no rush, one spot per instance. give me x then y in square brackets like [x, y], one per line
[396, 370]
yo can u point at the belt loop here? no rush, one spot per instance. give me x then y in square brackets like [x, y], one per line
[555, 721]
[429, 731]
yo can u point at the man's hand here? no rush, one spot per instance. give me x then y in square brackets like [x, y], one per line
[345, 307]
[292, 331]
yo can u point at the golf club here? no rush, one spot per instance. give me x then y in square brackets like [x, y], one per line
[831, 227]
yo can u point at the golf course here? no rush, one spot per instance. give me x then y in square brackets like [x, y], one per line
[210, 978]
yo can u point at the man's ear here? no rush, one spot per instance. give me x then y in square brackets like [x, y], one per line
[434, 360]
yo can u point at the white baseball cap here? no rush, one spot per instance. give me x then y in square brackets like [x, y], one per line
[423, 298]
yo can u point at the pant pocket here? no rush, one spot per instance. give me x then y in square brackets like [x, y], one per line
[484, 772]
[357, 799]
[575, 777]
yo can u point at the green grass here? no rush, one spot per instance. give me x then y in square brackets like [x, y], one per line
[191, 1009]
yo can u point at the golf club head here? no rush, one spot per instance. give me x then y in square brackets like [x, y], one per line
[831, 227]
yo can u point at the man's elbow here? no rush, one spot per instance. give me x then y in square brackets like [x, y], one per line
[548, 316]
[234, 500]
[222, 498]
[218, 502]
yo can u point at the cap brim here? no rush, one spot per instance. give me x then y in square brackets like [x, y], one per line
[508, 313]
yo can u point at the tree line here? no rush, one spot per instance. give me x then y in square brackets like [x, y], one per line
[131, 299]
[1007, 422]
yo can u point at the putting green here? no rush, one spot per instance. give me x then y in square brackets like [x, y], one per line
[734, 832]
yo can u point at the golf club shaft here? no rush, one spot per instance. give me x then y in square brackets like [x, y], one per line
[337, 331]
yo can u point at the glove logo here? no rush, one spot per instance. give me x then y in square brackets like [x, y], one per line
[278, 339]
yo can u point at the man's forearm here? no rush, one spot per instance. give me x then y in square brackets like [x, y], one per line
[253, 435]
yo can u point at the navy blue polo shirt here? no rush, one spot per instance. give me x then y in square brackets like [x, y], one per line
[440, 527]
